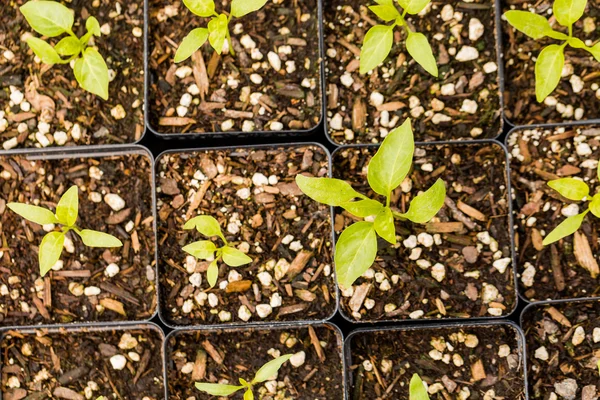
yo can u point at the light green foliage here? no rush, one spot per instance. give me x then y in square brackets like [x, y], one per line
[356, 248]
[378, 41]
[217, 30]
[67, 211]
[266, 372]
[551, 60]
[52, 19]
[417, 390]
[207, 250]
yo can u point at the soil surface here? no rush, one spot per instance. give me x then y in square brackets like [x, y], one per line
[364, 108]
[272, 83]
[77, 365]
[561, 270]
[226, 356]
[484, 362]
[563, 350]
[576, 97]
[44, 106]
[91, 284]
[253, 195]
[458, 265]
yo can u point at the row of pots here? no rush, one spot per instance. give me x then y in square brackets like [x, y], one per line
[294, 63]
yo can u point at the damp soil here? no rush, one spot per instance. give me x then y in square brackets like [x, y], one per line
[469, 238]
[194, 356]
[244, 91]
[287, 235]
[407, 89]
[28, 299]
[76, 364]
[520, 54]
[53, 94]
[477, 362]
[565, 268]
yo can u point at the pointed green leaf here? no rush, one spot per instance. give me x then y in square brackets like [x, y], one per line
[191, 43]
[202, 8]
[566, 228]
[417, 389]
[384, 225]
[217, 28]
[68, 46]
[567, 12]
[384, 2]
[48, 18]
[234, 257]
[426, 205]
[386, 12]
[413, 6]
[92, 73]
[376, 47]
[355, 252]
[35, 214]
[270, 369]
[571, 188]
[206, 225]
[249, 395]
[93, 238]
[212, 273]
[201, 249]
[362, 208]
[50, 251]
[418, 47]
[93, 26]
[531, 24]
[217, 389]
[67, 208]
[44, 51]
[239, 8]
[595, 50]
[332, 192]
[595, 205]
[548, 70]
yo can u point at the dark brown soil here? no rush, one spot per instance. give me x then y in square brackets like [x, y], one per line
[271, 224]
[224, 84]
[228, 355]
[70, 363]
[398, 287]
[520, 53]
[400, 78]
[538, 156]
[484, 361]
[53, 92]
[25, 297]
[555, 331]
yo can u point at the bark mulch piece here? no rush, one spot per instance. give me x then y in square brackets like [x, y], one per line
[561, 270]
[563, 349]
[474, 362]
[458, 265]
[576, 97]
[28, 299]
[252, 90]
[227, 355]
[83, 363]
[253, 194]
[53, 103]
[363, 108]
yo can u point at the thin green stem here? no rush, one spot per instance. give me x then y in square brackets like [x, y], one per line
[571, 31]
[231, 51]
[398, 215]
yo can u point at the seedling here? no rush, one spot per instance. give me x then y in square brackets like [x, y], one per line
[265, 373]
[52, 19]
[67, 211]
[380, 38]
[207, 250]
[417, 390]
[356, 248]
[218, 27]
[551, 60]
[576, 190]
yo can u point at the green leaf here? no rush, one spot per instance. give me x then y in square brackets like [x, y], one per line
[50, 251]
[92, 73]
[234, 258]
[93, 238]
[68, 46]
[201, 249]
[192, 42]
[248, 395]
[595, 50]
[48, 18]
[217, 28]
[566, 228]
[67, 208]
[417, 389]
[376, 47]
[418, 47]
[44, 51]
[93, 26]
[384, 2]
[571, 188]
[212, 273]
[362, 208]
[426, 205]
[595, 205]
[270, 369]
[567, 12]
[35, 214]
[217, 389]
[531, 24]
[548, 70]
[579, 44]
[206, 225]
[202, 8]
[333, 192]
[355, 252]
[413, 6]
[384, 225]
[386, 12]
[392, 162]
[239, 8]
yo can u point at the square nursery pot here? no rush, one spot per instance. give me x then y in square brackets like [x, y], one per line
[566, 269]
[459, 265]
[252, 192]
[270, 87]
[457, 361]
[44, 106]
[315, 372]
[77, 363]
[90, 284]
[463, 103]
[576, 97]
[562, 340]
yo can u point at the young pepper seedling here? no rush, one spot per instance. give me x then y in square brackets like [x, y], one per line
[417, 390]
[67, 211]
[356, 248]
